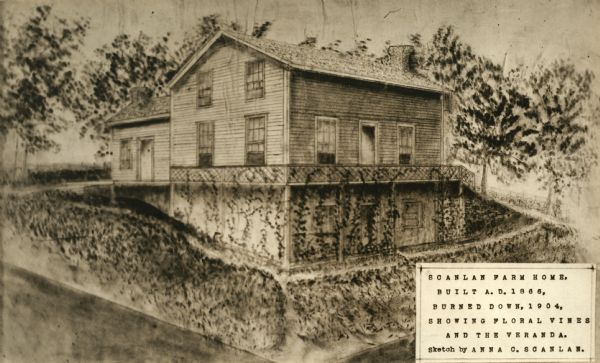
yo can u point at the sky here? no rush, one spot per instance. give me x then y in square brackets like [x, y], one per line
[525, 32]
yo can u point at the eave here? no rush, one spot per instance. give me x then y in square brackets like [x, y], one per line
[153, 118]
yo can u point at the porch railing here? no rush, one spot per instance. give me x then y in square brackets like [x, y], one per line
[322, 174]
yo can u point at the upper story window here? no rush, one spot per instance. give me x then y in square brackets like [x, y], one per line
[326, 140]
[255, 140]
[204, 89]
[206, 141]
[255, 79]
[406, 144]
[125, 155]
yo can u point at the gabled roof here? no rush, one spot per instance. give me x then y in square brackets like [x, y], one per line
[155, 108]
[318, 61]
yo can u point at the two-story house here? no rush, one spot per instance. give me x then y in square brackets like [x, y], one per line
[294, 153]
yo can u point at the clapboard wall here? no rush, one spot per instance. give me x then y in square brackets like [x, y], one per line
[229, 107]
[351, 101]
[159, 132]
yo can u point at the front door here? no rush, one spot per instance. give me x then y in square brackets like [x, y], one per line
[146, 158]
[367, 144]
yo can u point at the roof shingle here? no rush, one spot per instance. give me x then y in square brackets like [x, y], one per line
[341, 64]
[153, 107]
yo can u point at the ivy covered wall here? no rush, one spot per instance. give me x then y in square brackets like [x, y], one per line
[340, 221]
[326, 222]
[250, 217]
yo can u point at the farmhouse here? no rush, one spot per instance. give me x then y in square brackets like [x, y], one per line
[292, 153]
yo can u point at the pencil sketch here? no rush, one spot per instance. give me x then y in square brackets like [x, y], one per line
[182, 182]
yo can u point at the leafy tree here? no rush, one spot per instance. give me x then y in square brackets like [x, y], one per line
[207, 26]
[559, 95]
[41, 86]
[447, 60]
[125, 63]
[489, 126]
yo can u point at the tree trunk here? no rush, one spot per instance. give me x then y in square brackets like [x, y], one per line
[25, 175]
[484, 177]
[16, 163]
[548, 206]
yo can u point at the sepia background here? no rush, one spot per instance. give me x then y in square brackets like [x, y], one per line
[515, 34]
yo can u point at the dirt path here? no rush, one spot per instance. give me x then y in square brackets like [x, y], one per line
[44, 321]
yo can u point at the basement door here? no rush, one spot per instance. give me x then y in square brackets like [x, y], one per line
[368, 143]
[146, 159]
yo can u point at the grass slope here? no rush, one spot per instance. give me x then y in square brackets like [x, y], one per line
[237, 305]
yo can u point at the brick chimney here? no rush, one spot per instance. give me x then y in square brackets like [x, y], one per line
[139, 94]
[401, 57]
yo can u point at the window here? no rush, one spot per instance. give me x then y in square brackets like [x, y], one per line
[412, 216]
[204, 89]
[255, 140]
[206, 138]
[125, 155]
[255, 80]
[326, 140]
[406, 141]
[368, 222]
[328, 216]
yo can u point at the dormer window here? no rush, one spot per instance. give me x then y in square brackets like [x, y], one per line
[204, 89]
[255, 79]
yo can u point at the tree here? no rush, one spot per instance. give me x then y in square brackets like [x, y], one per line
[559, 94]
[207, 26]
[447, 60]
[489, 126]
[41, 86]
[125, 63]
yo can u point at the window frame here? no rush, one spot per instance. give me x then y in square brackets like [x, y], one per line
[129, 141]
[332, 207]
[261, 70]
[374, 124]
[247, 118]
[412, 155]
[419, 205]
[209, 75]
[336, 134]
[212, 146]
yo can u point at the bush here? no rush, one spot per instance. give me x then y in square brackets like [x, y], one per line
[240, 306]
[69, 175]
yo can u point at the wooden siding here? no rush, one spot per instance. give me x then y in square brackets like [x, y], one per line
[229, 108]
[159, 132]
[353, 101]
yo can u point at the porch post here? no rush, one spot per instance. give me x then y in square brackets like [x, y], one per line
[287, 233]
[341, 223]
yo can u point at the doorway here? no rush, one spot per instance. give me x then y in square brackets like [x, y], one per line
[146, 159]
[368, 143]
